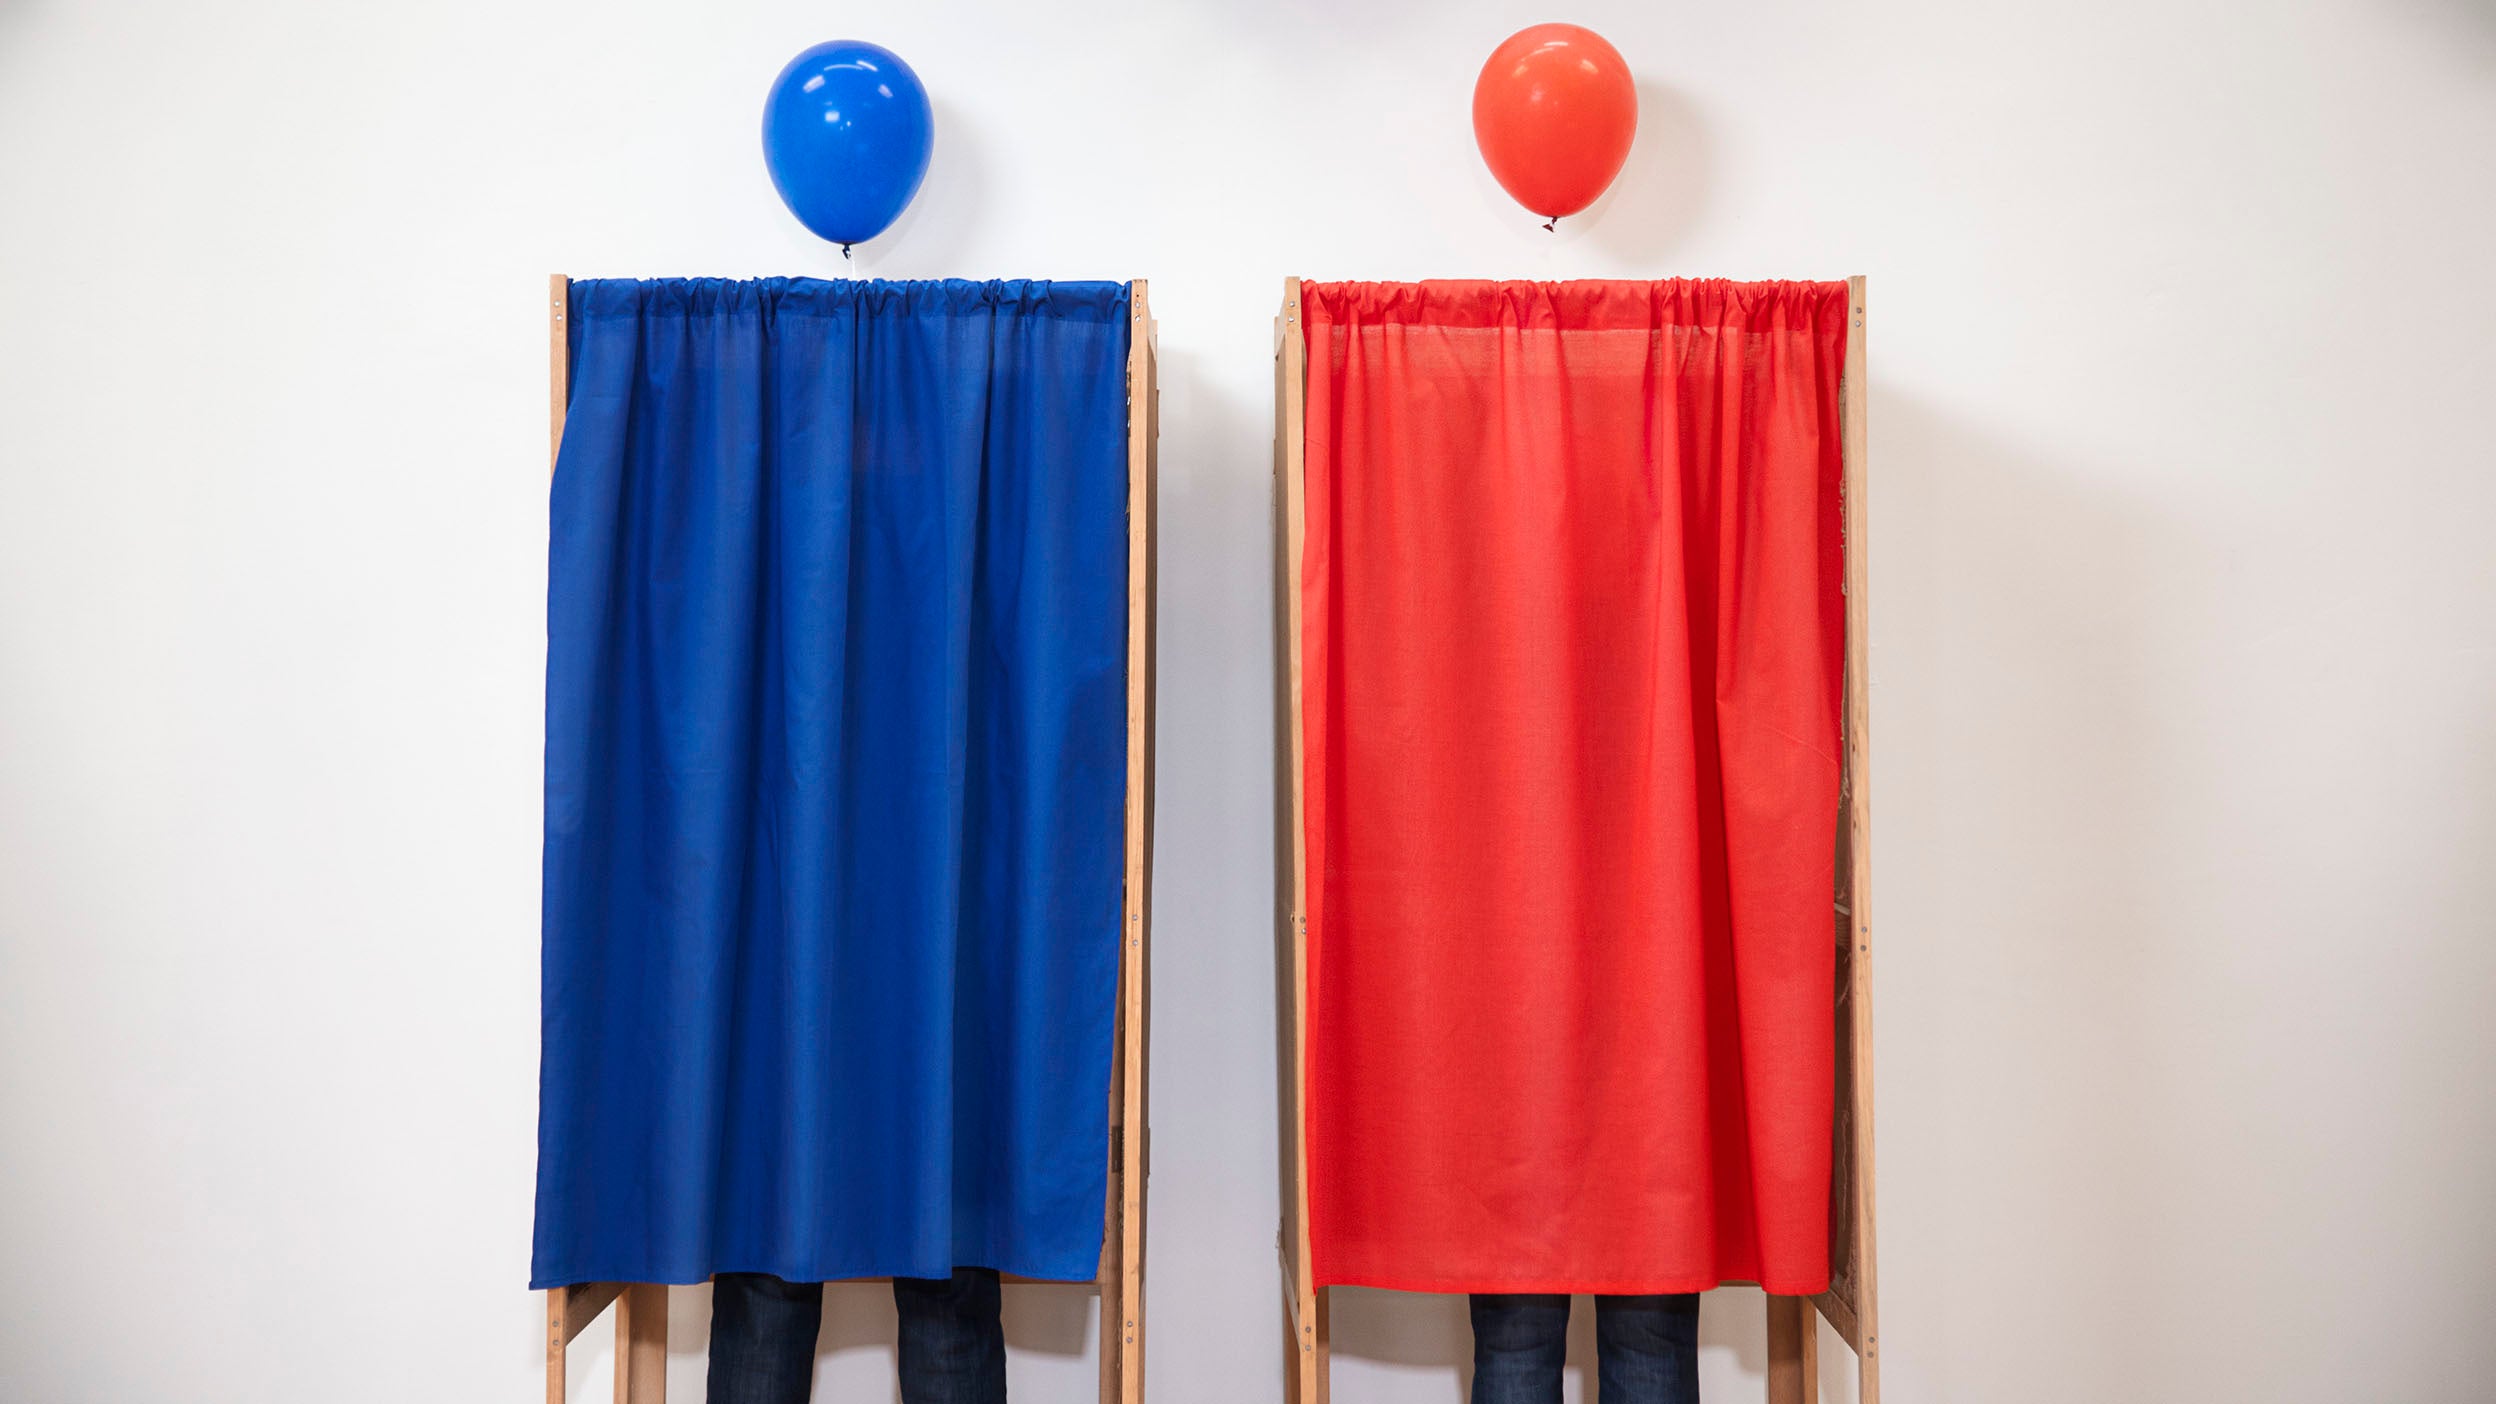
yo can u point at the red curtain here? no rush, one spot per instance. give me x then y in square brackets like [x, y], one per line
[1572, 640]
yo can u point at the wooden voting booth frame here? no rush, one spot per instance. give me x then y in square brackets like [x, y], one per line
[1850, 1304]
[641, 1308]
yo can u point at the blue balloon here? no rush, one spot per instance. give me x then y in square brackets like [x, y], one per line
[846, 133]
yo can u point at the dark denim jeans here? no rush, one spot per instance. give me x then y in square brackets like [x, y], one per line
[1646, 1348]
[763, 1338]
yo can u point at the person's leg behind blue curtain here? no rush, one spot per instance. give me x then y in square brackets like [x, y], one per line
[763, 1334]
[952, 1338]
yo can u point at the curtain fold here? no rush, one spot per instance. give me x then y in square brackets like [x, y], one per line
[835, 773]
[1572, 662]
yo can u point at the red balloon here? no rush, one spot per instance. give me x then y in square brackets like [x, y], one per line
[1554, 112]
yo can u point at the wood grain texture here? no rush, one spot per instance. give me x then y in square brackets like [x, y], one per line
[557, 1342]
[641, 1344]
[1793, 1351]
[1113, 1276]
[568, 1309]
[1307, 1376]
[1134, 1144]
[559, 362]
[581, 1304]
[640, 1309]
[1852, 1303]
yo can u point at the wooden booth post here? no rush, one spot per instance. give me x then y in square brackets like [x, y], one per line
[1130, 1132]
[1851, 1303]
[641, 1308]
[1305, 1307]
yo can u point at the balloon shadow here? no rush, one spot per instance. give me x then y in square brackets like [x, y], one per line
[1661, 189]
[929, 238]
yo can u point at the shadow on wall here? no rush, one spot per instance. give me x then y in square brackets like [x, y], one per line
[1662, 187]
[2021, 837]
[935, 229]
[2476, 17]
[1213, 1280]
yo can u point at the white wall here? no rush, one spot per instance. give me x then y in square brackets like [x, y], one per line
[2184, 633]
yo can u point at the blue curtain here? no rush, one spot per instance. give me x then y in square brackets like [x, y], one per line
[835, 772]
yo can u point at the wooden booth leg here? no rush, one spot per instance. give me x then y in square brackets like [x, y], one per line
[640, 1337]
[1793, 1351]
[1130, 1136]
[1307, 1346]
[641, 1307]
[641, 1345]
[1852, 1303]
[1306, 1349]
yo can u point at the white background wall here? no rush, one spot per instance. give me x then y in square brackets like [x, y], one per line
[2183, 345]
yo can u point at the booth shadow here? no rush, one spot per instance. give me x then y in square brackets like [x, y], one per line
[1212, 1264]
[2023, 830]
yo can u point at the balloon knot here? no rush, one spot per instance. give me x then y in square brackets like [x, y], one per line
[1552, 224]
[844, 251]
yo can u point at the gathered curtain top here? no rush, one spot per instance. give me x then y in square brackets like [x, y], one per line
[1591, 304]
[800, 297]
